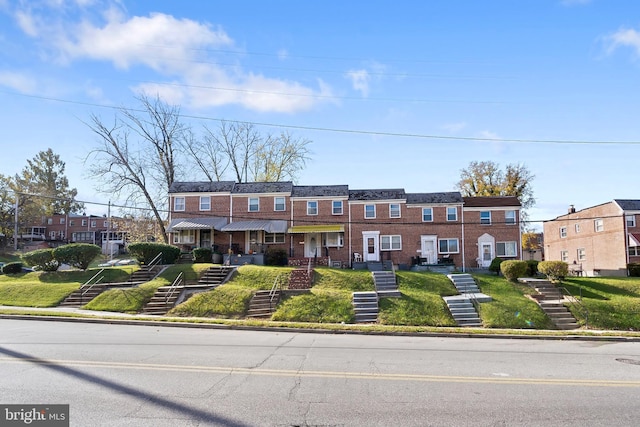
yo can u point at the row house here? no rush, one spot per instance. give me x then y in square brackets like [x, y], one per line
[343, 226]
[598, 240]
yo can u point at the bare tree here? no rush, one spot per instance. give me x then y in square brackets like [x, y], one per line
[138, 155]
[280, 158]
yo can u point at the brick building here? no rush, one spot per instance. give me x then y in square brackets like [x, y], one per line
[343, 226]
[598, 240]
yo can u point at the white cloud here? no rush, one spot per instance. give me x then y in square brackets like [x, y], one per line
[18, 81]
[360, 80]
[625, 37]
[179, 51]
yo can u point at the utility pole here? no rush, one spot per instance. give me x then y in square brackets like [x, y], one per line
[109, 248]
[15, 225]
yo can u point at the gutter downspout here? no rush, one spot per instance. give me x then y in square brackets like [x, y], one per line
[464, 268]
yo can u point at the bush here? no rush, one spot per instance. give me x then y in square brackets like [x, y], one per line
[276, 257]
[634, 269]
[41, 259]
[495, 265]
[12, 268]
[554, 270]
[202, 255]
[78, 255]
[513, 269]
[532, 268]
[145, 252]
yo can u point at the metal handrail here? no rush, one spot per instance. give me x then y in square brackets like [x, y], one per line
[174, 286]
[277, 284]
[90, 285]
[573, 300]
[155, 261]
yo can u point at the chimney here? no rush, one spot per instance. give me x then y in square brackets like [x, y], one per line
[572, 209]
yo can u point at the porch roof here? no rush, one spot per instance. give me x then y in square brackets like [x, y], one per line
[213, 222]
[328, 228]
[270, 226]
[634, 239]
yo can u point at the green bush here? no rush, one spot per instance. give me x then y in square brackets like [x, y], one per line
[276, 257]
[532, 268]
[145, 252]
[495, 265]
[78, 255]
[554, 270]
[12, 268]
[202, 255]
[513, 269]
[41, 259]
[634, 269]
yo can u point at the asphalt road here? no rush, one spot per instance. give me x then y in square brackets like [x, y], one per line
[122, 375]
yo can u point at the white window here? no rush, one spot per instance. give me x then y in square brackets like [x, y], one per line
[72, 222]
[254, 204]
[563, 232]
[390, 243]
[631, 220]
[336, 207]
[506, 249]
[369, 211]
[510, 217]
[62, 221]
[598, 225]
[74, 237]
[427, 214]
[312, 207]
[205, 203]
[582, 254]
[273, 238]
[278, 204]
[334, 240]
[105, 224]
[93, 223]
[178, 204]
[577, 227]
[634, 250]
[49, 221]
[84, 222]
[452, 213]
[485, 217]
[564, 256]
[394, 210]
[448, 246]
[184, 236]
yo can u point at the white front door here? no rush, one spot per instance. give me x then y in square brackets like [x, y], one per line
[428, 249]
[371, 248]
[486, 254]
[312, 245]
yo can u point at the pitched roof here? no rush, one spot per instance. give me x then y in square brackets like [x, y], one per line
[628, 205]
[388, 194]
[201, 187]
[490, 201]
[263, 187]
[320, 191]
[422, 198]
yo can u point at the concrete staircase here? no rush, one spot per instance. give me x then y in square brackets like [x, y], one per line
[385, 283]
[163, 300]
[551, 301]
[144, 274]
[263, 304]
[365, 306]
[215, 276]
[464, 283]
[82, 296]
[463, 311]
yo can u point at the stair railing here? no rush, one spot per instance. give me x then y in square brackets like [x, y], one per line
[174, 286]
[277, 285]
[88, 285]
[155, 261]
[576, 303]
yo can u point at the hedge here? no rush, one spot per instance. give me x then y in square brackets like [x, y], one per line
[513, 269]
[78, 255]
[202, 255]
[145, 252]
[12, 268]
[495, 265]
[554, 270]
[41, 259]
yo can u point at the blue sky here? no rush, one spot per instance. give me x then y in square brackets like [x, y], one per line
[400, 94]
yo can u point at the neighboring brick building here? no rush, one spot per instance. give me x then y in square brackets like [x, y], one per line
[342, 225]
[599, 240]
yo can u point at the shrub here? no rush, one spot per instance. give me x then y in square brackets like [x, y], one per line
[513, 269]
[532, 268]
[145, 252]
[12, 268]
[41, 259]
[495, 265]
[78, 255]
[634, 269]
[202, 255]
[554, 270]
[276, 257]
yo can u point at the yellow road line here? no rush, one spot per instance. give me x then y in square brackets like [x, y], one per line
[324, 374]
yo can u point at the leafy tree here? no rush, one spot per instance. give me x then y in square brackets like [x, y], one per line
[77, 255]
[7, 208]
[487, 179]
[42, 259]
[139, 154]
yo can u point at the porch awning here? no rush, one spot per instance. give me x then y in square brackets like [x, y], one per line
[329, 228]
[634, 239]
[208, 223]
[270, 226]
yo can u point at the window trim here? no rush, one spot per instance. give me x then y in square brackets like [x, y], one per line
[577, 228]
[630, 220]
[275, 204]
[507, 217]
[333, 207]
[581, 254]
[564, 255]
[394, 242]
[430, 215]
[504, 244]
[455, 214]
[336, 240]
[391, 210]
[205, 207]
[487, 220]
[374, 211]
[598, 225]
[256, 204]
[563, 232]
[449, 240]
[179, 207]
[274, 238]
[312, 207]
